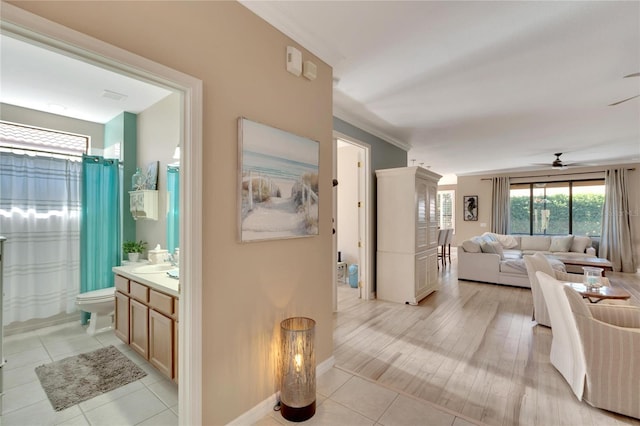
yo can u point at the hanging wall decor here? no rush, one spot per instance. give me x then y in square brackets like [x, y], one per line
[470, 207]
[277, 183]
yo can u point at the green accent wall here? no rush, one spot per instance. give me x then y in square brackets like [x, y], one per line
[123, 129]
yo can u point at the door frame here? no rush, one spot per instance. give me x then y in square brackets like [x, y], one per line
[366, 188]
[19, 23]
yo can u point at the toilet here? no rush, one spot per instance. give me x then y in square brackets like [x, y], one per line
[101, 304]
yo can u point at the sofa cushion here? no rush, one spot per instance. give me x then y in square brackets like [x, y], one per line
[493, 247]
[471, 246]
[535, 242]
[512, 254]
[561, 244]
[507, 241]
[580, 244]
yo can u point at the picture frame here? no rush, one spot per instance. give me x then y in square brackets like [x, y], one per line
[470, 212]
[277, 183]
[151, 177]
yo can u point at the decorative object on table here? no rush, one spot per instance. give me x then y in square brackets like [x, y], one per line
[151, 179]
[298, 380]
[277, 183]
[138, 180]
[470, 207]
[592, 276]
[133, 249]
[158, 255]
[78, 378]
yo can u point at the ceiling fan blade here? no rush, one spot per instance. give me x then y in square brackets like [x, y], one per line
[635, 74]
[624, 100]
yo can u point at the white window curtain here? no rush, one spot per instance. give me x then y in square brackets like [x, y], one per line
[501, 205]
[40, 216]
[616, 243]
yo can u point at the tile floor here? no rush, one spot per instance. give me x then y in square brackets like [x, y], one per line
[152, 400]
[343, 398]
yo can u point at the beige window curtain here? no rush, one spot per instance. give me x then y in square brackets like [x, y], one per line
[616, 243]
[500, 209]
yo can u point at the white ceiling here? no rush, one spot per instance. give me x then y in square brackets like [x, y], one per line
[469, 87]
[480, 86]
[40, 79]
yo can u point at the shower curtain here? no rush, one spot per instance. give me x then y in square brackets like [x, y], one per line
[173, 212]
[100, 236]
[40, 216]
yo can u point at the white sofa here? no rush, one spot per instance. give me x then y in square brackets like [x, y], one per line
[498, 259]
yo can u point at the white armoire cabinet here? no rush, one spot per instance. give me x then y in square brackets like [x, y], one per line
[407, 251]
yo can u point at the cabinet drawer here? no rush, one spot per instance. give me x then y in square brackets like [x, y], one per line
[139, 291]
[161, 302]
[122, 284]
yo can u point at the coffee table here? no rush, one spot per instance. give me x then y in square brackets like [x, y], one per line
[575, 264]
[597, 294]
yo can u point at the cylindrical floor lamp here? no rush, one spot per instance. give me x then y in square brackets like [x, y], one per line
[298, 380]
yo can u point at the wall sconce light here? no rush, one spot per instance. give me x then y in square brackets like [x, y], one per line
[176, 153]
[298, 380]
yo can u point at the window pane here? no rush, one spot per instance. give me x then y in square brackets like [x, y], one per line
[520, 213]
[446, 212]
[588, 199]
[551, 208]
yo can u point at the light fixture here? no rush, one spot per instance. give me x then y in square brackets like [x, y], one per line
[298, 379]
[176, 153]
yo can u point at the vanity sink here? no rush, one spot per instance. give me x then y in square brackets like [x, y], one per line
[153, 269]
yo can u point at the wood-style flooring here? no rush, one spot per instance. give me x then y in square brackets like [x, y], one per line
[469, 347]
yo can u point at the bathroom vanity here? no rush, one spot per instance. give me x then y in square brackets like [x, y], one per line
[146, 314]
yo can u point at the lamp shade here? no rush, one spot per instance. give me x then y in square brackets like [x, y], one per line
[298, 380]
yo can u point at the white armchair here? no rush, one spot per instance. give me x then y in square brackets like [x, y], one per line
[539, 262]
[610, 337]
[567, 355]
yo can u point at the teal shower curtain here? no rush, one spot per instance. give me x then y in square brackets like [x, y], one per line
[173, 212]
[100, 246]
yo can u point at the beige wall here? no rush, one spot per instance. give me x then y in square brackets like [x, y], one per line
[248, 288]
[159, 130]
[475, 185]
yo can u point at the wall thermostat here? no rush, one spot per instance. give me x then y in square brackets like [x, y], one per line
[294, 61]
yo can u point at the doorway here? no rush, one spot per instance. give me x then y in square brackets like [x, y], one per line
[33, 29]
[352, 215]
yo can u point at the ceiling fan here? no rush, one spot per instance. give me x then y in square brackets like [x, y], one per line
[635, 74]
[559, 164]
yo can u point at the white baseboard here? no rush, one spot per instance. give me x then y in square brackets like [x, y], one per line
[255, 414]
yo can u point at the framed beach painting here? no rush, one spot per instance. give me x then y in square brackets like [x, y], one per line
[470, 207]
[277, 184]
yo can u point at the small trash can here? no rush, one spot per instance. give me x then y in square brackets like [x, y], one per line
[353, 276]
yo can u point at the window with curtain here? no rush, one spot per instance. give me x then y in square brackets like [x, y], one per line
[557, 208]
[446, 209]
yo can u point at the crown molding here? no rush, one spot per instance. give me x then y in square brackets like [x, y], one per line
[276, 17]
[369, 128]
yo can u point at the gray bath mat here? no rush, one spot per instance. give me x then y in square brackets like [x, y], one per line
[75, 379]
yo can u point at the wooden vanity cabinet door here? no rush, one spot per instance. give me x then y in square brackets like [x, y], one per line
[139, 328]
[122, 317]
[161, 342]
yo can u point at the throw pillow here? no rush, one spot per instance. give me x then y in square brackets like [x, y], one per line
[561, 244]
[471, 246]
[580, 244]
[535, 242]
[492, 247]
